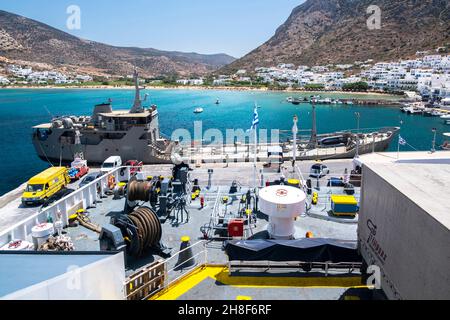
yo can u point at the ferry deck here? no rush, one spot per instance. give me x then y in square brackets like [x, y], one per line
[212, 275]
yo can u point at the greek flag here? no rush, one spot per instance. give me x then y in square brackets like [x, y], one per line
[401, 141]
[255, 118]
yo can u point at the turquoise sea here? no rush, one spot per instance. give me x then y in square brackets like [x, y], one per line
[20, 109]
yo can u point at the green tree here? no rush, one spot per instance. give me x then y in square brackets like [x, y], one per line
[356, 86]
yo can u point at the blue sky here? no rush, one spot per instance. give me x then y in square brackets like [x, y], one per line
[234, 27]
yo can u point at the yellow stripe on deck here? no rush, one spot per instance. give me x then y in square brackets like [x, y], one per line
[220, 274]
[187, 282]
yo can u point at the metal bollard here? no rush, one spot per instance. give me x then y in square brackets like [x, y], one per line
[185, 258]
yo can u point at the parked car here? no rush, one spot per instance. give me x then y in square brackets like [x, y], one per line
[89, 178]
[111, 163]
[319, 171]
[136, 166]
[57, 196]
[78, 170]
[336, 182]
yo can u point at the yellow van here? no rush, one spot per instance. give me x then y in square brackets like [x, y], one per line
[45, 184]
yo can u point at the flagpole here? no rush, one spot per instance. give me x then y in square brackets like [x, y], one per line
[256, 156]
[255, 127]
[398, 142]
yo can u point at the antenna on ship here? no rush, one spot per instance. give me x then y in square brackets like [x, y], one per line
[137, 106]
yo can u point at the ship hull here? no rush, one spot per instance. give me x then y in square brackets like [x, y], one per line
[130, 147]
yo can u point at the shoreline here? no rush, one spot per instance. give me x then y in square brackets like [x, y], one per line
[211, 88]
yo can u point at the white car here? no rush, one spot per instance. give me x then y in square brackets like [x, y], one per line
[319, 171]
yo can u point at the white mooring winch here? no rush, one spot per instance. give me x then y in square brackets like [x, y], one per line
[282, 204]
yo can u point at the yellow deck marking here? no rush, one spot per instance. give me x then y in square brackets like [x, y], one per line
[186, 283]
[220, 274]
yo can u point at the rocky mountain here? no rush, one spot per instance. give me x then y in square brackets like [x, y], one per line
[29, 40]
[336, 31]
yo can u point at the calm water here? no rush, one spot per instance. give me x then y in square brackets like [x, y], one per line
[22, 109]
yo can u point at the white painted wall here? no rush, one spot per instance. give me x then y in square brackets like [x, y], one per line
[101, 280]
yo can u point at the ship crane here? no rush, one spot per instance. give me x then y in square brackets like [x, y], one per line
[137, 106]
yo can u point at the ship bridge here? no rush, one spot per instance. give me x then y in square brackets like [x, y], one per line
[122, 120]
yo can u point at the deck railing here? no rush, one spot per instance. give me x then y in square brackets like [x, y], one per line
[161, 275]
[83, 198]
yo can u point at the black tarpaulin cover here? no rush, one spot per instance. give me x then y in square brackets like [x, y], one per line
[305, 250]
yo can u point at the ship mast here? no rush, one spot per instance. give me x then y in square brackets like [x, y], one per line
[78, 148]
[313, 141]
[137, 106]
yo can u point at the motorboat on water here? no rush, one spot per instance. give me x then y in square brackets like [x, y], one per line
[198, 110]
[432, 113]
[446, 144]
[296, 101]
[411, 110]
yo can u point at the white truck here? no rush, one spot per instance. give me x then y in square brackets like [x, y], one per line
[111, 163]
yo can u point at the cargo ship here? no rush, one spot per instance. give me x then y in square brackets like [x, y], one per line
[131, 134]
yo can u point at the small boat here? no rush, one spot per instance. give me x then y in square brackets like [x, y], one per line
[446, 116]
[427, 112]
[217, 101]
[432, 113]
[446, 145]
[296, 101]
[412, 110]
[198, 110]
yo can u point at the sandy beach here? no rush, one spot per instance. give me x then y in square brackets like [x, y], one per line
[381, 95]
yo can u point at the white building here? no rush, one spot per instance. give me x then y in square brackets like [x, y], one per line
[319, 68]
[83, 78]
[192, 82]
[221, 81]
[183, 82]
[4, 80]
